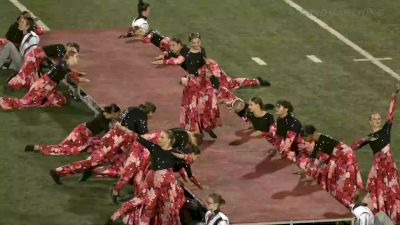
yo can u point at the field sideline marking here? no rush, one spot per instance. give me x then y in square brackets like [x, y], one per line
[314, 58]
[21, 7]
[344, 39]
[363, 60]
[259, 61]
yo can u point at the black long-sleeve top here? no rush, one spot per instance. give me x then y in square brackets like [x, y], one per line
[193, 61]
[14, 34]
[325, 144]
[382, 138]
[261, 123]
[58, 71]
[135, 120]
[160, 158]
[180, 163]
[289, 123]
[181, 137]
[99, 124]
[55, 51]
[156, 38]
[244, 111]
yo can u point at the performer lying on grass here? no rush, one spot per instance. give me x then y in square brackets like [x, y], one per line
[82, 136]
[139, 22]
[152, 36]
[43, 92]
[228, 82]
[190, 58]
[37, 61]
[110, 148]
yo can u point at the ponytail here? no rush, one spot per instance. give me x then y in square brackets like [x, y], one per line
[217, 199]
[142, 6]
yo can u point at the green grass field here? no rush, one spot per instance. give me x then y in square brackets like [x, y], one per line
[336, 95]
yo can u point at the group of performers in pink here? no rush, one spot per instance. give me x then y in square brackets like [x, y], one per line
[121, 146]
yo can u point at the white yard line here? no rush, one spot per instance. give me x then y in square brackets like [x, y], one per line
[343, 39]
[21, 7]
[314, 58]
[363, 60]
[259, 61]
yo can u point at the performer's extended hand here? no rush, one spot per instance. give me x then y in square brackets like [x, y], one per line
[158, 62]
[369, 138]
[397, 89]
[256, 133]
[84, 79]
[207, 60]
[160, 57]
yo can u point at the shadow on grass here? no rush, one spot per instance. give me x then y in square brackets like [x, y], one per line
[302, 188]
[244, 137]
[267, 166]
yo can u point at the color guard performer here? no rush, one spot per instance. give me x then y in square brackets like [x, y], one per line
[383, 181]
[35, 62]
[43, 92]
[336, 165]
[163, 197]
[139, 22]
[288, 130]
[82, 136]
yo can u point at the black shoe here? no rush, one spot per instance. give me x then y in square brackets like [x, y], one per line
[269, 106]
[55, 177]
[212, 134]
[109, 222]
[29, 148]
[263, 82]
[114, 197]
[86, 175]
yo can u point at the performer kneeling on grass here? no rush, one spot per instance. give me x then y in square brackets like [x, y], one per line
[288, 130]
[241, 108]
[43, 92]
[262, 121]
[82, 136]
[214, 216]
[385, 197]
[335, 166]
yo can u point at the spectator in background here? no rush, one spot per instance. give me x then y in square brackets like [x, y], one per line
[214, 216]
[360, 208]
